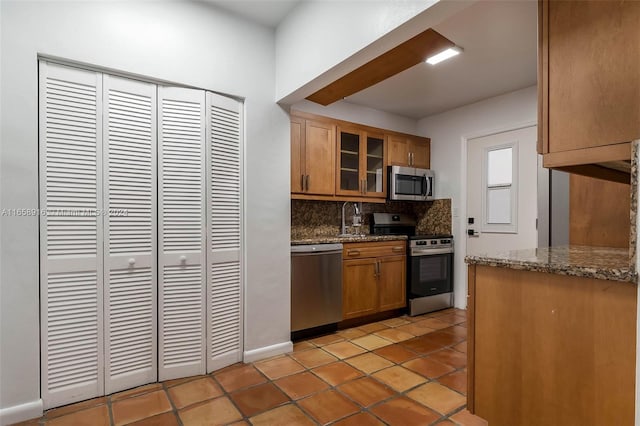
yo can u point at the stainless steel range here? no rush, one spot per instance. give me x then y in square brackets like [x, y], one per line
[429, 263]
[430, 275]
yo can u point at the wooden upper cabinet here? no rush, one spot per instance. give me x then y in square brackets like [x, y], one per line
[312, 157]
[320, 157]
[398, 151]
[589, 80]
[408, 151]
[335, 160]
[420, 152]
[361, 164]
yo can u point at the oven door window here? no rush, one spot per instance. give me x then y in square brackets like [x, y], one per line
[430, 275]
[409, 184]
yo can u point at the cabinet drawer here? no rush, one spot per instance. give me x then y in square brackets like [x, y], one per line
[364, 250]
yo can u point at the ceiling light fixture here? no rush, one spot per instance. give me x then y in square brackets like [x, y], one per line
[444, 55]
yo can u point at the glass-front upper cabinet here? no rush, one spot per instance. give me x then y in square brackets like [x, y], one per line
[375, 165]
[361, 163]
[349, 157]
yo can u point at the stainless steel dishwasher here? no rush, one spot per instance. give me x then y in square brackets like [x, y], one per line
[316, 285]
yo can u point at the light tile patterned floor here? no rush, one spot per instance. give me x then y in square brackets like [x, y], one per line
[402, 371]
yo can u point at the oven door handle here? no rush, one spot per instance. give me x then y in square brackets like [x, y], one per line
[430, 252]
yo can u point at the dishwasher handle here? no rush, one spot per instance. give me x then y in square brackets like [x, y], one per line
[307, 249]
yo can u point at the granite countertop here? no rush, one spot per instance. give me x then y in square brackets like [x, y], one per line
[349, 239]
[581, 261]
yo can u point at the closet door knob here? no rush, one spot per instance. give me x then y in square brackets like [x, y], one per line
[183, 259]
[132, 261]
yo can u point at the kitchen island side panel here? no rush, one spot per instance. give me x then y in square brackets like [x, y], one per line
[552, 349]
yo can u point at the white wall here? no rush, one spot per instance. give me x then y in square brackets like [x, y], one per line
[184, 42]
[320, 41]
[317, 35]
[446, 131]
[346, 111]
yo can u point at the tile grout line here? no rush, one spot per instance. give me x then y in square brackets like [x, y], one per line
[454, 321]
[404, 393]
[396, 393]
[112, 420]
[228, 394]
[174, 409]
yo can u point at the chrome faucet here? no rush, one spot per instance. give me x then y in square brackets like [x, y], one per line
[357, 207]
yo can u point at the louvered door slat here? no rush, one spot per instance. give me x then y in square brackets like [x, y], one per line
[224, 228]
[71, 237]
[130, 138]
[182, 238]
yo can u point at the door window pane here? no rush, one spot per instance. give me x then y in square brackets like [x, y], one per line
[499, 205]
[500, 188]
[499, 167]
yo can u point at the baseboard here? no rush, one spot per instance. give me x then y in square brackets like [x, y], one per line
[267, 351]
[20, 413]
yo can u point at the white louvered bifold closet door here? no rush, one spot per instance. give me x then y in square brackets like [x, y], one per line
[130, 273]
[71, 247]
[224, 238]
[182, 232]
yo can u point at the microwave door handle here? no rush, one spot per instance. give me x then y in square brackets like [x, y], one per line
[425, 186]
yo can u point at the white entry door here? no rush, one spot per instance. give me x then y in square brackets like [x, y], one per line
[502, 192]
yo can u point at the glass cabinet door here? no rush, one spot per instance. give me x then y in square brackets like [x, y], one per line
[349, 161]
[375, 164]
[361, 165]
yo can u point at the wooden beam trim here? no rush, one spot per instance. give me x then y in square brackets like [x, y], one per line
[392, 62]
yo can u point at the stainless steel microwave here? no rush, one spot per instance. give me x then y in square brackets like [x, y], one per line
[410, 184]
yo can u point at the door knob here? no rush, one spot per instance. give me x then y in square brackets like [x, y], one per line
[132, 261]
[183, 259]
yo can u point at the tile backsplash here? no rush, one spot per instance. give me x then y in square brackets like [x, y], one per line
[323, 218]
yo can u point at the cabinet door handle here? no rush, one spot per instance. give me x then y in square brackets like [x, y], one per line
[397, 249]
[409, 158]
[353, 253]
[302, 182]
[413, 163]
[364, 186]
[378, 268]
[307, 182]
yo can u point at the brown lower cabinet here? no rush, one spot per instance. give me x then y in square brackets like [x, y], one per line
[373, 278]
[549, 349]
